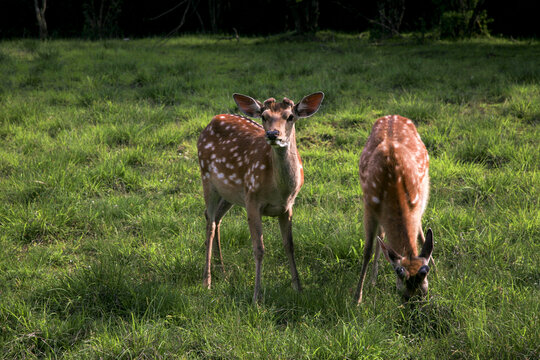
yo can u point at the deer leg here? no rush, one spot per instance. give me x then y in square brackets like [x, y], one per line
[375, 269]
[370, 225]
[422, 240]
[210, 233]
[255, 229]
[221, 210]
[211, 199]
[285, 225]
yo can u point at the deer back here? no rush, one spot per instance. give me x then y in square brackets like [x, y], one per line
[394, 175]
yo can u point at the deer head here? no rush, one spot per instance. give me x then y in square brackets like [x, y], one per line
[279, 118]
[411, 271]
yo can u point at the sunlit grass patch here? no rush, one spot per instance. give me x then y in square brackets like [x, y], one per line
[103, 229]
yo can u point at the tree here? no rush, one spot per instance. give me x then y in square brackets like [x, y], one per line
[463, 18]
[101, 17]
[305, 14]
[40, 16]
[391, 14]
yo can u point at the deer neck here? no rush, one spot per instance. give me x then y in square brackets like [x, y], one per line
[287, 167]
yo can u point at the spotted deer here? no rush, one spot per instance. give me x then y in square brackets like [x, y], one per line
[256, 167]
[394, 176]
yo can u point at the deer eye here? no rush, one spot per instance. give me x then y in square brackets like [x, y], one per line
[290, 118]
[400, 271]
[423, 271]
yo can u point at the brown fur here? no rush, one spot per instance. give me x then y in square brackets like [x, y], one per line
[256, 167]
[412, 265]
[394, 176]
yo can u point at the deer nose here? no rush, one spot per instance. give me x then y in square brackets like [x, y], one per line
[272, 134]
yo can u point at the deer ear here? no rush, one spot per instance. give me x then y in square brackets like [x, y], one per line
[393, 257]
[309, 105]
[248, 105]
[427, 249]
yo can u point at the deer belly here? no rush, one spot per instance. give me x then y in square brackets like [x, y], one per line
[273, 210]
[231, 192]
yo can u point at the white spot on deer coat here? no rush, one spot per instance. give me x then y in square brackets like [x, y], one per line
[209, 145]
[375, 199]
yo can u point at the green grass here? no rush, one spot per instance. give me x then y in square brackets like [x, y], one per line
[102, 226]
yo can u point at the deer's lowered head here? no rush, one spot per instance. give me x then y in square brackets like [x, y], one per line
[411, 271]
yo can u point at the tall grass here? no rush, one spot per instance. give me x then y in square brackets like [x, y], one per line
[102, 225]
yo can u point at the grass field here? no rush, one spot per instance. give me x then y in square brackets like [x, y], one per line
[101, 216]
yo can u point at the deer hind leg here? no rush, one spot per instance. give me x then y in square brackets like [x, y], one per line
[255, 229]
[370, 225]
[222, 208]
[212, 199]
[375, 269]
[210, 233]
[285, 225]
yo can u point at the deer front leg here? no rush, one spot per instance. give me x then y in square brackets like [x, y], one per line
[370, 225]
[255, 229]
[285, 225]
[375, 268]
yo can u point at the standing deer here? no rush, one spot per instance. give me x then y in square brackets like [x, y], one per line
[257, 167]
[394, 175]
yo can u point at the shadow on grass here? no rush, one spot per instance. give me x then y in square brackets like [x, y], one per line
[107, 287]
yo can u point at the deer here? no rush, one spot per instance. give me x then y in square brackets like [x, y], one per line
[254, 166]
[393, 169]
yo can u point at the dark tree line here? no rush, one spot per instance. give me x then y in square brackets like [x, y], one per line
[40, 7]
[384, 18]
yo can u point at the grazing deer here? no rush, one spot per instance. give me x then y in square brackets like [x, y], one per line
[394, 176]
[257, 167]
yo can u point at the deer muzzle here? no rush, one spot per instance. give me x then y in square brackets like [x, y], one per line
[273, 139]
